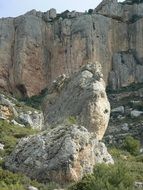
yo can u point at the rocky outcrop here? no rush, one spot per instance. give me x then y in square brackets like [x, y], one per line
[38, 47]
[81, 97]
[63, 154]
[19, 114]
[66, 150]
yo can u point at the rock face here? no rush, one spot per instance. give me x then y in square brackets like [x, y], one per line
[81, 97]
[38, 47]
[63, 154]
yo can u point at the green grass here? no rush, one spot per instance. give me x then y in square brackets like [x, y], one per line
[10, 135]
[12, 181]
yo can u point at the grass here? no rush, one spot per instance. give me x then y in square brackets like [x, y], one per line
[10, 135]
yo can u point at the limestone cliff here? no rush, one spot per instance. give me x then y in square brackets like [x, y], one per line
[36, 48]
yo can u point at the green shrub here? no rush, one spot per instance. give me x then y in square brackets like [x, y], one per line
[90, 11]
[10, 134]
[72, 120]
[131, 145]
[106, 177]
[12, 187]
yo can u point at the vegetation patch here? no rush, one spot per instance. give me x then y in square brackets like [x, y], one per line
[35, 101]
[10, 135]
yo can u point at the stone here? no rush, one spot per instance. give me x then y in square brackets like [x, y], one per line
[32, 188]
[34, 119]
[141, 150]
[52, 13]
[119, 109]
[125, 127]
[16, 123]
[63, 154]
[81, 97]
[6, 102]
[72, 14]
[3, 118]
[110, 8]
[136, 113]
[13, 111]
[138, 184]
[5, 112]
[1, 146]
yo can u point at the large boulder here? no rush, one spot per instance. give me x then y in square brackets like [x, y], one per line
[63, 154]
[81, 97]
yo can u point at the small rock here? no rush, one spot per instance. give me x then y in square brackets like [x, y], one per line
[26, 119]
[32, 188]
[136, 113]
[5, 102]
[16, 123]
[35, 120]
[2, 117]
[138, 184]
[29, 112]
[119, 109]
[72, 14]
[141, 150]
[120, 117]
[1, 146]
[52, 13]
[125, 127]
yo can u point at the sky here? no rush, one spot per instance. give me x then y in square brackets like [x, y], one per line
[13, 8]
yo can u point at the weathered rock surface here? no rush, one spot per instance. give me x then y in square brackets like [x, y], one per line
[127, 69]
[1, 146]
[63, 154]
[38, 47]
[32, 188]
[34, 119]
[81, 97]
[20, 114]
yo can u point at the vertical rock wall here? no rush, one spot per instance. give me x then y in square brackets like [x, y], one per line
[37, 47]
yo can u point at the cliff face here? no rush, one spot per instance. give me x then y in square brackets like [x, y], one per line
[37, 47]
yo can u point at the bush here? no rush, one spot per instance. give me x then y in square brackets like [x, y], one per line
[10, 134]
[9, 178]
[106, 177]
[131, 145]
[90, 11]
[71, 120]
[12, 187]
